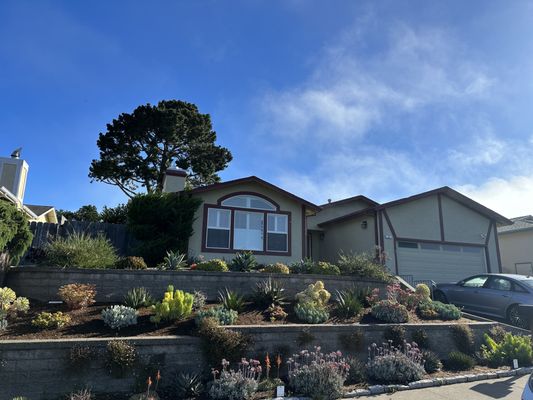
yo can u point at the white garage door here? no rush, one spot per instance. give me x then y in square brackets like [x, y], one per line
[439, 262]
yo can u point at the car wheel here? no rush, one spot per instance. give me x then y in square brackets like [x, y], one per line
[439, 296]
[515, 318]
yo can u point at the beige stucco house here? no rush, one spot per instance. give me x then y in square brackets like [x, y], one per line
[516, 246]
[440, 235]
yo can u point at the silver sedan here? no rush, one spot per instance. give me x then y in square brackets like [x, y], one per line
[495, 295]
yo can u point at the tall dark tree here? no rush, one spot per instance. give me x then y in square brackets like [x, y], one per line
[85, 213]
[137, 148]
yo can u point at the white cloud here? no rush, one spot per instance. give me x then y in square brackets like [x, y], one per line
[482, 151]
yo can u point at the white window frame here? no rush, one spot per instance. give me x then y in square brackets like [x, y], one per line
[218, 226]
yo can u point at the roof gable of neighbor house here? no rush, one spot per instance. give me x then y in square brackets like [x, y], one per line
[454, 195]
[260, 182]
[519, 224]
[336, 211]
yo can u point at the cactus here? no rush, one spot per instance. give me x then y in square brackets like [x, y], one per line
[176, 305]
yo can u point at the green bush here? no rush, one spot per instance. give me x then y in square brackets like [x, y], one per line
[221, 315]
[347, 303]
[176, 305]
[174, 261]
[325, 268]
[131, 262]
[422, 291]
[231, 300]
[363, 265]
[161, 222]
[214, 265]
[497, 333]
[277, 268]
[46, 320]
[458, 361]
[310, 313]
[389, 365]
[511, 347]
[121, 357]
[428, 309]
[81, 250]
[395, 335]
[243, 262]
[138, 297]
[357, 372]
[463, 337]
[421, 338]
[389, 311]
[304, 266]
[431, 362]
[15, 234]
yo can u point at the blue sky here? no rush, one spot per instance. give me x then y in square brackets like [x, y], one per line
[326, 99]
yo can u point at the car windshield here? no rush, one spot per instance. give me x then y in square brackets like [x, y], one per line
[527, 282]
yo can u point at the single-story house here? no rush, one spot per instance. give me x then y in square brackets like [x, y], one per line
[516, 246]
[440, 235]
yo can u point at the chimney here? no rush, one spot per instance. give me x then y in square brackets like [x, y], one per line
[174, 180]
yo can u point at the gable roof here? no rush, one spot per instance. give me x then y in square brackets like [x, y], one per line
[519, 224]
[259, 181]
[349, 200]
[455, 195]
[365, 211]
[39, 210]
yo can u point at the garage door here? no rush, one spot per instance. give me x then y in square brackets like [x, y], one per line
[439, 262]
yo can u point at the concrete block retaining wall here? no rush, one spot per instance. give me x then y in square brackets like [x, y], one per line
[41, 283]
[40, 369]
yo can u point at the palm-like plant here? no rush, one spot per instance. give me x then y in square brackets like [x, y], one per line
[269, 292]
[173, 261]
[189, 386]
[231, 300]
[348, 304]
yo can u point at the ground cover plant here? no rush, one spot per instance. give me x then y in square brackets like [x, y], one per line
[389, 364]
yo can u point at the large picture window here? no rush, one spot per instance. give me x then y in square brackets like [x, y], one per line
[277, 232]
[248, 232]
[218, 228]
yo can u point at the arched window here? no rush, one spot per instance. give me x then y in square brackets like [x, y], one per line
[248, 201]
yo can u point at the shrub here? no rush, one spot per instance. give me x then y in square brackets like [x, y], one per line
[407, 298]
[357, 372]
[348, 304]
[314, 294]
[463, 337]
[231, 300]
[11, 305]
[221, 315]
[276, 313]
[219, 343]
[84, 394]
[422, 291]
[269, 292]
[117, 317]
[176, 305]
[77, 295]
[428, 309]
[325, 268]
[304, 266]
[131, 262]
[458, 361]
[161, 222]
[421, 338]
[318, 375]
[236, 385]
[277, 268]
[431, 362]
[138, 297]
[364, 265]
[15, 234]
[389, 311]
[310, 313]
[81, 250]
[199, 300]
[46, 320]
[389, 364]
[188, 386]
[214, 265]
[395, 335]
[497, 332]
[80, 356]
[174, 260]
[121, 356]
[510, 347]
[243, 262]
[352, 341]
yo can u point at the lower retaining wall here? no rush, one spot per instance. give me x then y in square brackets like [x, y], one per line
[41, 370]
[42, 283]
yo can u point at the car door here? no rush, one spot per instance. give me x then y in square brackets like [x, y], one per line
[464, 294]
[496, 296]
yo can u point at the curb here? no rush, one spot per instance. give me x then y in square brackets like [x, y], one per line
[425, 383]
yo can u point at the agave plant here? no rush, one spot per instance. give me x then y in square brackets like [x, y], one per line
[173, 261]
[138, 297]
[243, 262]
[231, 300]
[269, 292]
[348, 304]
[188, 386]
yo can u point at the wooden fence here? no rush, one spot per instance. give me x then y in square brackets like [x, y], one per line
[117, 234]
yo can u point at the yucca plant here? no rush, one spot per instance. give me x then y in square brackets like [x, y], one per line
[231, 300]
[269, 292]
[243, 262]
[348, 304]
[189, 386]
[138, 297]
[173, 261]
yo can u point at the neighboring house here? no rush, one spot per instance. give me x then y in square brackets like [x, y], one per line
[440, 235]
[516, 246]
[13, 176]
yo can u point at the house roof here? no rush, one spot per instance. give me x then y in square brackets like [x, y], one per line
[259, 181]
[355, 214]
[455, 195]
[524, 223]
[349, 200]
[39, 210]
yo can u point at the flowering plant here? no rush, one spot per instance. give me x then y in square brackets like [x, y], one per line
[235, 385]
[389, 364]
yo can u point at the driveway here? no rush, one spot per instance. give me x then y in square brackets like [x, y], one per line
[503, 388]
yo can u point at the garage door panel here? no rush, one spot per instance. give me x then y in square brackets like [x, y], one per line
[440, 264]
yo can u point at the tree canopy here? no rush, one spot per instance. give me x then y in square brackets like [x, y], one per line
[137, 148]
[15, 234]
[89, 213]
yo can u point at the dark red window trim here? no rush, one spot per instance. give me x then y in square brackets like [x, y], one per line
[232, 228]
[219, 201]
